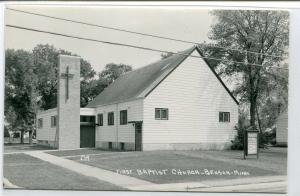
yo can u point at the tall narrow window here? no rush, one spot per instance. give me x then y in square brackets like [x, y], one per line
[100, 119]
[122, 146]
[40, 123]
[110, 118]
[161, 113]
[224, 116]
[123, 117]
[109, 145]
[53, 121]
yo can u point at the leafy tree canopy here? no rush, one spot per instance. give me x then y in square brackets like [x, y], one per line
[112, 71]
[45, 60]
[259, 31]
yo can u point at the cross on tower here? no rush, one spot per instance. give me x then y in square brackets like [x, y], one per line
[67, 76]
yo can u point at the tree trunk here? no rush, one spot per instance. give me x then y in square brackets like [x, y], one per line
[253, 99]
[252, 113]
[30, 137]
[258, 120]
[22, 137]
[252, 103]
[10, 138]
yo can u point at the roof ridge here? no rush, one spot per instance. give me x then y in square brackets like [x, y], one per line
[160, 60]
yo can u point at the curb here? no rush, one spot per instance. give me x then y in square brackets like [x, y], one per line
[7, 184]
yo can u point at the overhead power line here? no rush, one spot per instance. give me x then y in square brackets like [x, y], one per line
[128, 45]
[142, 34]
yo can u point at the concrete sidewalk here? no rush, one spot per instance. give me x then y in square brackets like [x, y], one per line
[262, 187]
[9, 185]
[274, 184]
[266, 184]
[86, 170]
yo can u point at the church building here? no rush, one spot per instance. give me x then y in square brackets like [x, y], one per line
[178, 103]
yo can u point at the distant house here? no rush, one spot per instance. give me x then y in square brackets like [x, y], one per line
[282, 129]
[178, 103]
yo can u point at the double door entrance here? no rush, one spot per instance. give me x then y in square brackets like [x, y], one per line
[87, 136]
[87, 132]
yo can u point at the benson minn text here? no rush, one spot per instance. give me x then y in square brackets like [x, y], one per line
[181, 172]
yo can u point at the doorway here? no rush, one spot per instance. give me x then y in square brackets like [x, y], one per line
[138, 136]
[87, 136]
[87, 131]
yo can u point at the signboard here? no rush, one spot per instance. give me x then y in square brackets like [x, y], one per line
[251, 143]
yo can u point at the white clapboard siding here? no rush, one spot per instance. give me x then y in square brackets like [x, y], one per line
[194, 97]
[117, 132]
[46, 132]
[282, 128]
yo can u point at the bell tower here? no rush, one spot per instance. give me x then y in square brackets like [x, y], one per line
[68, 102]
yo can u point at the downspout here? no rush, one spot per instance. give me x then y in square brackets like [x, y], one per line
[117, 125]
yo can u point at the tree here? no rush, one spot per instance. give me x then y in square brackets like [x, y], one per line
[93, 87]
[273, 99]
[20, 91]
[260, 31]
[11, 122]
[46, 59]
[112, 71]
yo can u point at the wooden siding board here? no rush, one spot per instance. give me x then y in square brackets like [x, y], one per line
[117, 132]
[46, 132]
[217, 76]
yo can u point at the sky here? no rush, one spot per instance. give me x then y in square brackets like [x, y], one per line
[185, 23]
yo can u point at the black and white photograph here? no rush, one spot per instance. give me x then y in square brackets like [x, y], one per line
[146, 98]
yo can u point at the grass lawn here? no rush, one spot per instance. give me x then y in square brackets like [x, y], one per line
[273, 159]
[31, 173]
[9, 148]
[174, 161]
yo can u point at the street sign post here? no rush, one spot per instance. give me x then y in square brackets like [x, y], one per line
[251, 143]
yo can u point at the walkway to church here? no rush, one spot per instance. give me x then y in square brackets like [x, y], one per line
[86, 170]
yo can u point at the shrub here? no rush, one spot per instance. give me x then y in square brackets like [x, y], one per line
[238, 142]
[265, 138]
[6, 133]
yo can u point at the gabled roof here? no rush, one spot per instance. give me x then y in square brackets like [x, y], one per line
[140, 82]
